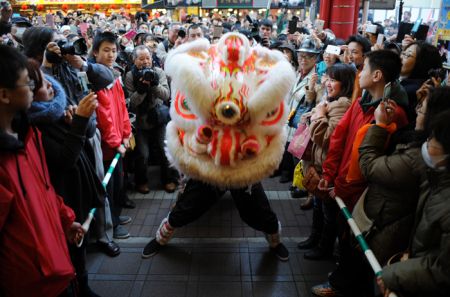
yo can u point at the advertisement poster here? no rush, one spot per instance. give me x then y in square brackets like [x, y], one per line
[184, 3]
[442, 40]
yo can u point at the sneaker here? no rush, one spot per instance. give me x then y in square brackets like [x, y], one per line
[120, 232]
[325, 290]
[281, 252]
[123, 220]
[151, 249]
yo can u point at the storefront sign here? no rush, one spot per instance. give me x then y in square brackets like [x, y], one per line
[234, 3]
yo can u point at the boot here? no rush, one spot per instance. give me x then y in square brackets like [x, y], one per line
[316, 228]
[309, 243]
[84, 290]
[307, 204]
[317, 253]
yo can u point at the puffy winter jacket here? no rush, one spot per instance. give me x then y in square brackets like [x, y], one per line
[34, 257]
[427, 271]
[394, 186]
[112, 119]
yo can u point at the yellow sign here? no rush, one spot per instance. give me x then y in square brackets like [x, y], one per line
[443, 34]
[50, 2]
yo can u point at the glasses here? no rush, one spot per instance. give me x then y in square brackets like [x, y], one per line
[407, 55]
[306, 57]
[31, 84]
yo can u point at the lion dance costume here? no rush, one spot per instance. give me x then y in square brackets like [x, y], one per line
[227, 130]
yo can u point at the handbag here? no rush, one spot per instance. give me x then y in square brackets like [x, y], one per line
[300, 141]
[298, 176]
[311, 183]
[158, 115]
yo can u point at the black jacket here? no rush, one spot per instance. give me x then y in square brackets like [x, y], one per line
[70, 163]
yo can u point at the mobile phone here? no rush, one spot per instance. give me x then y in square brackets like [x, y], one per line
[333, 49]
[217, 33]
[387, 92]
[83, 28]
[40, 22]
[130, 34]
[380, 39]
[371, 29]
[416, 26]
[84, 83]
[292, 26]
[319, 25]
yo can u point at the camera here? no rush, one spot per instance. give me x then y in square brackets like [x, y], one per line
[254, 29]
[78, 47]
[148, 74]
[182, 33]
[438, 73]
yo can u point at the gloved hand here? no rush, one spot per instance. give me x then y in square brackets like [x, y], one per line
[155, 81]
[141, 87]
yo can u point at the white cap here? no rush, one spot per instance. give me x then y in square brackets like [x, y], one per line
[65, 28]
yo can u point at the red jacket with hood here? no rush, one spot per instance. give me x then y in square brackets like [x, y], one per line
[34, 258]
[337, 162]
[112, 119]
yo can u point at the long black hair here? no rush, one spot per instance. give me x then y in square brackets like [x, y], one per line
[427, 57]
[345, 74]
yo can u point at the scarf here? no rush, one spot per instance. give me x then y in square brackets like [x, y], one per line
[49, 111]
[354, 172]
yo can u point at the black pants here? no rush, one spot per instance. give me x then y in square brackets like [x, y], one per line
[145, 139]
[198, 197]
[115, 189]
[353, 276]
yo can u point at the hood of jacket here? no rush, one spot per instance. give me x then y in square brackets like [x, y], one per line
[49, 111]
[11, 143]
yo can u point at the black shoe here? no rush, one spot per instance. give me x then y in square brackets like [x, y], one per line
[285, 177]
[128, 203]
[281, 252]
[87, 292]
[309, 243]
[110, 248]
[317, 254]
[297, 193]
[151, 249]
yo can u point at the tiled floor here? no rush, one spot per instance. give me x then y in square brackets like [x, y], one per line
[216, 256]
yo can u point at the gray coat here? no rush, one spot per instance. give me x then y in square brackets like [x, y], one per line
[153, 98]
[393, 191]
[427, 271]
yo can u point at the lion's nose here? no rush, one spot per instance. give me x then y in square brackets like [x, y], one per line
[228, 113]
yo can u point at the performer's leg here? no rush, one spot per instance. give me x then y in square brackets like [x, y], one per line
[254, 209]
[195, 200]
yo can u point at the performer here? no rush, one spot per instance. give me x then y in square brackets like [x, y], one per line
[226, 133]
